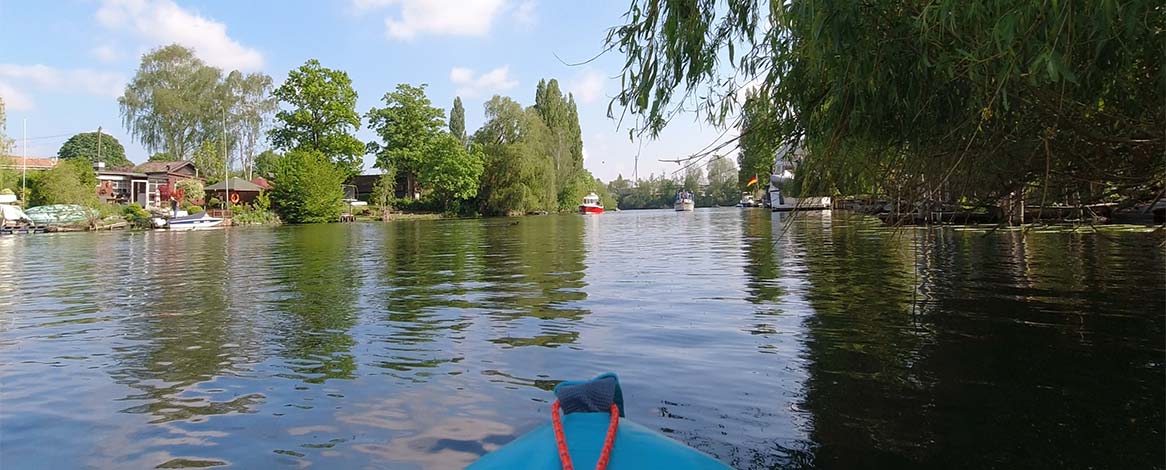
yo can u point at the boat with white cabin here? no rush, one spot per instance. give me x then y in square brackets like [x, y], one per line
[684, 201]
[591, 205]
[199, 221]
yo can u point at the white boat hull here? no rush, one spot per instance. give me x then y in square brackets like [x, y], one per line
[778, 204]
[197, 225]
[684, 205]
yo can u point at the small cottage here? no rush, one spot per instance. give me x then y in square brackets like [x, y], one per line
[236, 190]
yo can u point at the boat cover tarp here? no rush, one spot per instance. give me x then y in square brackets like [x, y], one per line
[60, 214]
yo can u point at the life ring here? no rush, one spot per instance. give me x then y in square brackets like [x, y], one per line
[235, 198]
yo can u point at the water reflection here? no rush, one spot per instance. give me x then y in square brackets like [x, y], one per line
[321, 278]
[769, 343]
[1012, 342]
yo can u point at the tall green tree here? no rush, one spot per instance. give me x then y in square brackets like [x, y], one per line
[457, 119]
[933, 100]
[251, 108]
[758, 148]
[452, 172]
[265, 164]
[5, 141]
[408, 124]
[519, 169]
[173, 102]
[561, 118]
[307, 187]
[722, 181]
[211, 161]
[85, 146]
[322, 117]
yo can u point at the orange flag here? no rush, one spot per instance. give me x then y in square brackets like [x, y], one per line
[751, 182]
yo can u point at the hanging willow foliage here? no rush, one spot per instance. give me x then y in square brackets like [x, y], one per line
[944, 100]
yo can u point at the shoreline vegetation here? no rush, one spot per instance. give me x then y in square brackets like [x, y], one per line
[1006, 114]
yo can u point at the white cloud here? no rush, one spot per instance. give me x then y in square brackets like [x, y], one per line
[493, 81]
[164, 22]
[439, 17]
[47, 78]
[14, 100]
[525, 13]
[106, 53]
[588, 86]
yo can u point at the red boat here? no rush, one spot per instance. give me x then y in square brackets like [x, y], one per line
[591, 205]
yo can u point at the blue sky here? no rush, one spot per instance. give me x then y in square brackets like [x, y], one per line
[63, 63]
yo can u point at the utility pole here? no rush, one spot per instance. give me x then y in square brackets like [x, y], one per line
[99, 144]
[24, 168]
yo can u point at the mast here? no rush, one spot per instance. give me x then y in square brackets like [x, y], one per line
[226, 161]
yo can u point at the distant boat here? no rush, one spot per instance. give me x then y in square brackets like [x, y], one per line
[591, 205]
[684, 201]
[747, 201]
[199, 221]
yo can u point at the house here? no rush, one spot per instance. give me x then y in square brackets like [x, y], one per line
[122, 185]
[240, 191]
[364, 185]
[161, 176]
[13, 162]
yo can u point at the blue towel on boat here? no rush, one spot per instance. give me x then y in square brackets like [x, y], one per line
[591, 396]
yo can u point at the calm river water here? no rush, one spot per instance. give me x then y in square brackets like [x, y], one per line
[829, 342]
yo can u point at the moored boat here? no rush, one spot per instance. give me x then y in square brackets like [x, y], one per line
[591, 205]
[684, 201]
[199, 221]
[591, 433]
[747, 201]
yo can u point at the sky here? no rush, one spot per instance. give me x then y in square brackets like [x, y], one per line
[64, 63]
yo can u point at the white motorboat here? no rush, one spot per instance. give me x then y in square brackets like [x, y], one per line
[199, 221]
[684, 201]
[747, 201]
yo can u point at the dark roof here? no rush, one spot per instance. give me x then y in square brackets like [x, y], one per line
[237, 184]
[161, 167]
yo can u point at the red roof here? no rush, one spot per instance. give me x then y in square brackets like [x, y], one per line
[261, 182]
[32, 163]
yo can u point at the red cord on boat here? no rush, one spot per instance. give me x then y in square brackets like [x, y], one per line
[561, 438]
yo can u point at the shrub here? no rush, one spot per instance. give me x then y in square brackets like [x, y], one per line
[307, 187]
[136, 216]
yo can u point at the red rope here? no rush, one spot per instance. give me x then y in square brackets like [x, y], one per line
[561, 438]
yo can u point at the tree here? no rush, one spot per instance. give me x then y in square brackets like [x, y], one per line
[5, 142]
[173, 102]
[758, 148]
[408, 125]
[457, 120]
[519, 170]
[452, 172]
[72, 181]
[693, 178]
[250, 113]
[722, 181]
[265, 164]
[307, 187]
[322, 117]
[565, 142]
[935, 100]
[85, 146]
[192, 190]
[160, 157]
[210, 161]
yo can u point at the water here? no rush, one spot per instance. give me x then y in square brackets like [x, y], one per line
[425, 344]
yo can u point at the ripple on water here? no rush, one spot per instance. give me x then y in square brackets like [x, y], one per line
[818, 341]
